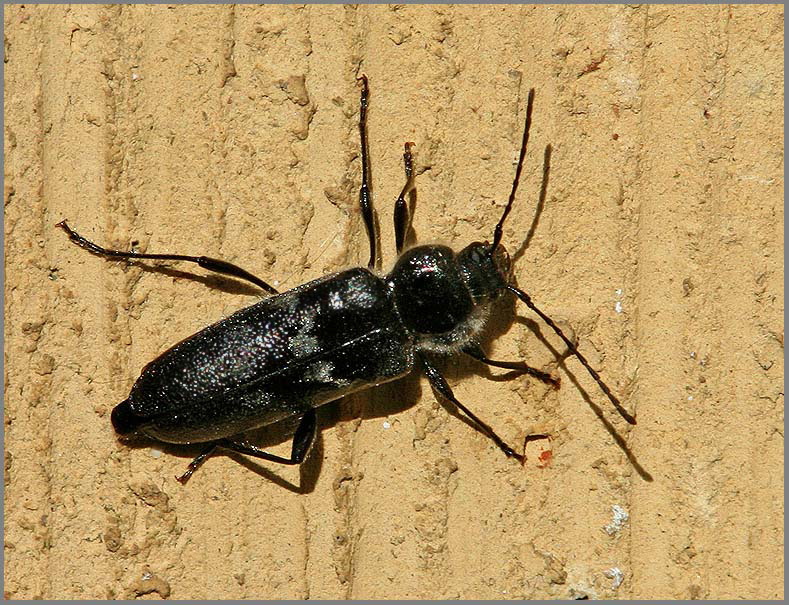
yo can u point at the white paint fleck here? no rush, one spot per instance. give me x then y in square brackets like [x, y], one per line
[135, 77]
[620, 517]
[387, 424]
[690, 397]
[619, 292]
[155, 453]
[616, 575]
[693, 354]
[275, 283]
[759, 179]
[618, 307]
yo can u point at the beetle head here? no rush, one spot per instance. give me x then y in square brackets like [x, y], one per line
[486, 272]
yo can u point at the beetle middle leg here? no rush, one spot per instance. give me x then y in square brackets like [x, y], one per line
[476, 352]
[365, 199]
[302, 441]
[212, 264]
[439, 384]
[401, 217]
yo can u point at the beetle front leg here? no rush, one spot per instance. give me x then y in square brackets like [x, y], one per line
[519, 366]
[440, 385]
[212, 264]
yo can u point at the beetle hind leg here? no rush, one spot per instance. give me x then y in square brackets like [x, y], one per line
[302, 441]
[197, 462]
[206, 262]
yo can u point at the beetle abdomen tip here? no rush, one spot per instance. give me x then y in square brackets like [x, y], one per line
[124, 420]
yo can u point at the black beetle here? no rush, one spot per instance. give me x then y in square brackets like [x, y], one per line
[292, 352]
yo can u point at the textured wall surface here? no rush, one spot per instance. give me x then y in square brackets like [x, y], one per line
[231, 131]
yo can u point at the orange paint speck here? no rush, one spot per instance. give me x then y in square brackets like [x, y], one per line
[545, 458]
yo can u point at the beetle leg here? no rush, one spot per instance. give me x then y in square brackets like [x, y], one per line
[519, 366]
[195, 464]
[440, 385]
[365, 199]
[212, 264]
[302, 440]
[401, 217]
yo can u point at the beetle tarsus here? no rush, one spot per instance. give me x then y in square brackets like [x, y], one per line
[196, 463]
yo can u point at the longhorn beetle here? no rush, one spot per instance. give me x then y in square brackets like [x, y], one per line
[294, 351]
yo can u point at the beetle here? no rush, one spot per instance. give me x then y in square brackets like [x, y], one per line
[294, 351]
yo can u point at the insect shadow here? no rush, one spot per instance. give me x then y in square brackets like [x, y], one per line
[227, 285]
[534, 327]
[561, 358]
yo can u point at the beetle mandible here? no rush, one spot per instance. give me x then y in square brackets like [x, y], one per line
[294, 351]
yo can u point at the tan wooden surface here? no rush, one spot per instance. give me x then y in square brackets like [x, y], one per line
[231, 131]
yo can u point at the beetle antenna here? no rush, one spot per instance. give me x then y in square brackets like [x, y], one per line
[527, 299]
[497, 233]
